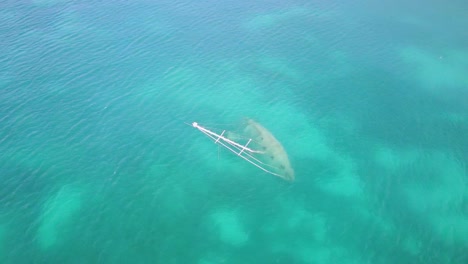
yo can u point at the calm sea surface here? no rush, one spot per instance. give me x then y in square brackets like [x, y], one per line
[98, 164]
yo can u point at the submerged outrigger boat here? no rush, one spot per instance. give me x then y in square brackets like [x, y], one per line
[260, 149]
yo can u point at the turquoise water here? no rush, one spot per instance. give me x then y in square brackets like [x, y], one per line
[369, 100]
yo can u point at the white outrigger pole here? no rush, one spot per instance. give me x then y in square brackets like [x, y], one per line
[240, 150]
